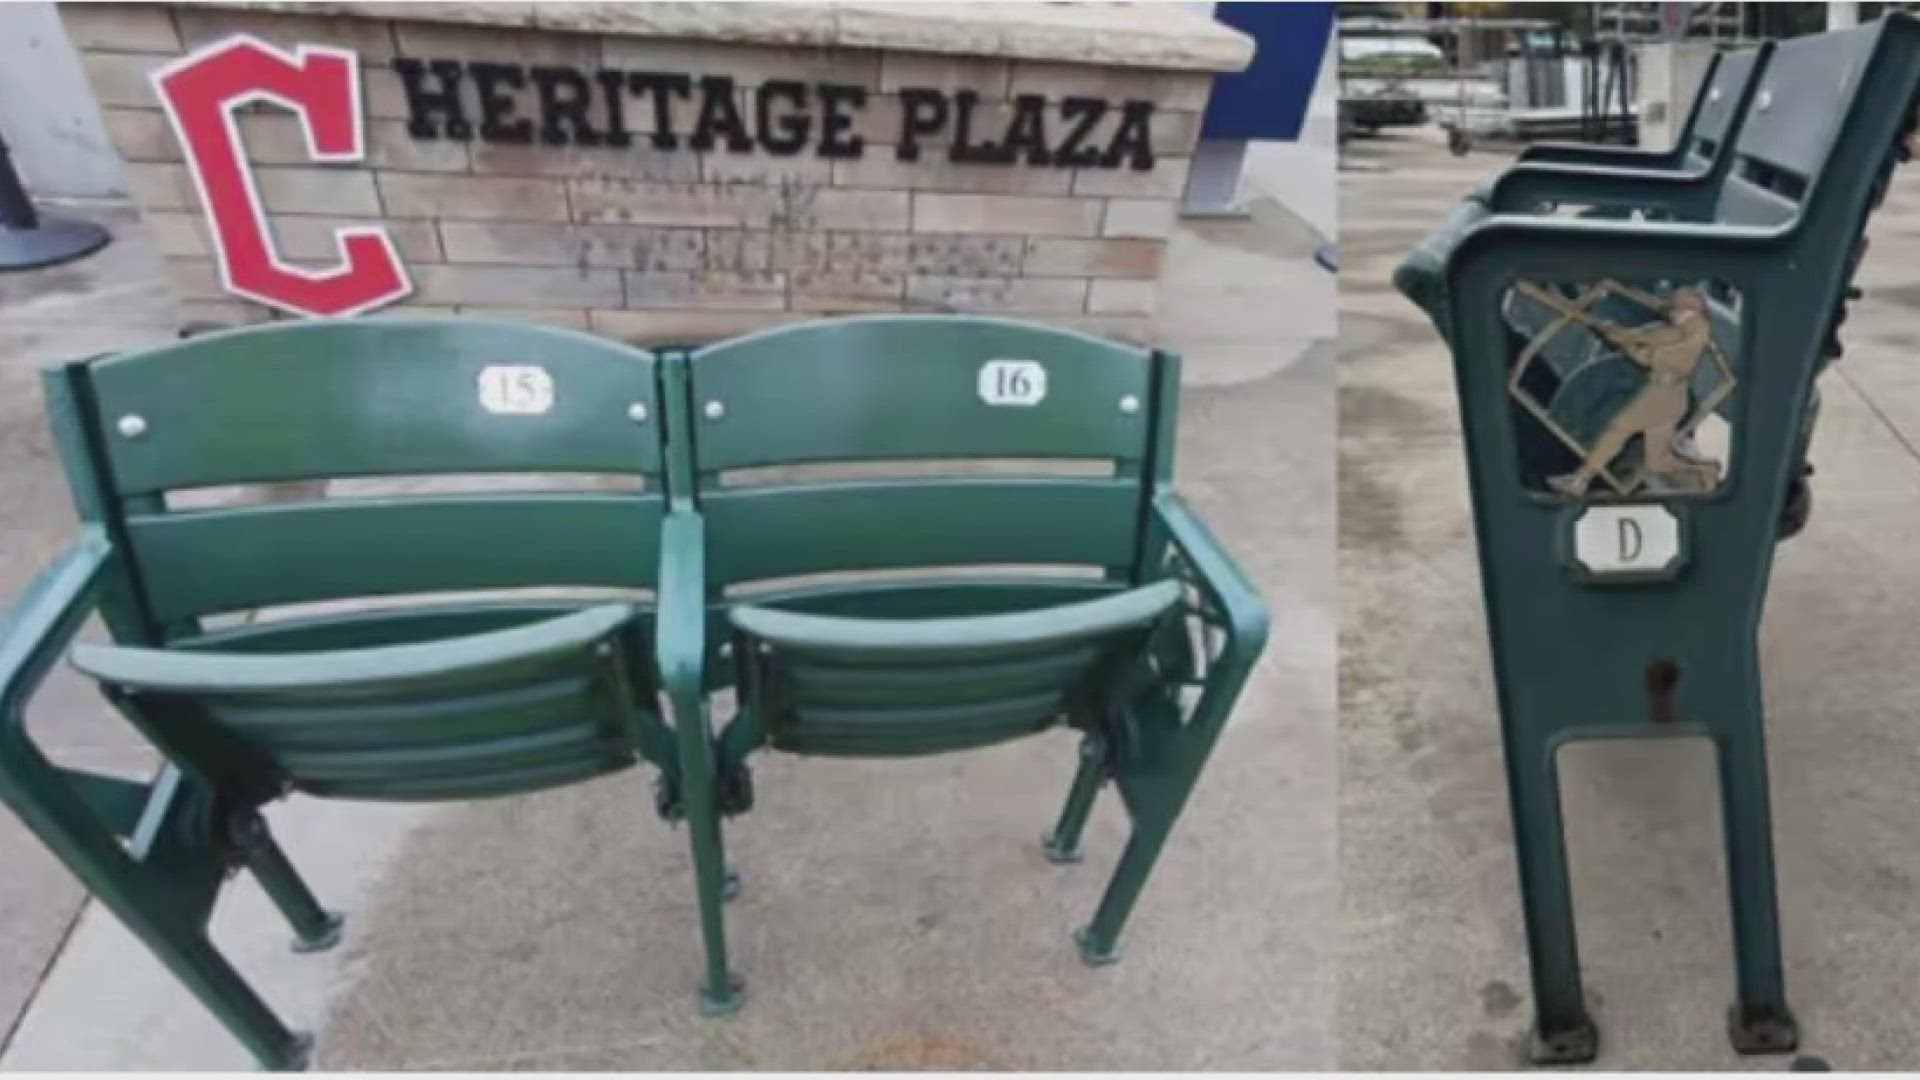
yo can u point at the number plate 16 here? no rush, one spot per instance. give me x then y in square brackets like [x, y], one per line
[1012, 382]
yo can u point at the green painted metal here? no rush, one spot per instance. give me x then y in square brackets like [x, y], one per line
[369, 397]
[924, 522]
[907, 386]
[434, 701]
[1612, 176]
[962, 656]
[436, 698]
[1580, 655]
[285, 553]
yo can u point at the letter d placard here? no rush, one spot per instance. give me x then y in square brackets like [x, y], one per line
[1627, 541]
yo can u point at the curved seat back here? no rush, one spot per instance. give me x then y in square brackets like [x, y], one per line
[934, 390]
[365, 398]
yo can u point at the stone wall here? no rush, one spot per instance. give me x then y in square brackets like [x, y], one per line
[654, 245]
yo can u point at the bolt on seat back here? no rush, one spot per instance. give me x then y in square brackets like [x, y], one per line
[1625, 543]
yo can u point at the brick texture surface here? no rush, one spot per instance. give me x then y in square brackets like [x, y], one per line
[676, 244]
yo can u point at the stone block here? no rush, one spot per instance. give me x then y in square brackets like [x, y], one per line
[966, 256]
[122, 79]
[1026, 296]
[146, 28]
[472, 198]
[141, 135]
[715, 289]
[1166, 180]
[935, 71]
[652, 328]
[1145, 218]
[516, 286]
[1184, 90]
[933, 172]
[1035, 215]
[847, 291]
[1110, 296]
[1119, 258]
[371, 38]
[317, 190]
[628, 247]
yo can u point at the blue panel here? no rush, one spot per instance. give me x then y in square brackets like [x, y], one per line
[1269, 99]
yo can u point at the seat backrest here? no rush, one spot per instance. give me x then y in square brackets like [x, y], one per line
[941, 392]
[1810, 90]
[1722, 102]
[365, 398]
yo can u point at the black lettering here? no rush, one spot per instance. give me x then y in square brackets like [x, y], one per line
[922, 112]
[964, 149]
[613, 86]
[835, 120]
[718, 112]
[423, 103]
[1071, 154]
[1027, 131]
[496, 108]
[785, 135]
[564, 95]
[661, 85]
[1630, 540]
[1133, 140]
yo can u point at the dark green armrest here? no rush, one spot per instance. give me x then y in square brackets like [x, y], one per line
[1527, 185]
[1063, 622]
[384, 667]
[44, 619]
[1239, 603]
[1514, 245]
[680, 641]
[1592, 155]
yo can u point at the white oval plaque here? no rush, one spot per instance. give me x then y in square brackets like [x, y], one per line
[516, 389]
[1012, 382]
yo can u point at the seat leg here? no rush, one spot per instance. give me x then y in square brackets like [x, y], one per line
[1099, 940]
[1063, 844]
[1759, 1021]
[315, 928]
[721, 991]
[148, 907]
[194, 961]
[1563, 1033]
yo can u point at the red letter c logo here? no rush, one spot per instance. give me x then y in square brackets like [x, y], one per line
[200, 92]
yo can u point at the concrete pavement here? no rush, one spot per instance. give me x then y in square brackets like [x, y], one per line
[896, 914]
[1432, 969]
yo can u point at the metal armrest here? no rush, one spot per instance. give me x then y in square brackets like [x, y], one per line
[1528, 184]
[1504, 245]
[680, 640]
[43, 621]
[1240, 605]
[81, 815]
[1063, 622]
[383, 667]
[1589, 154]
